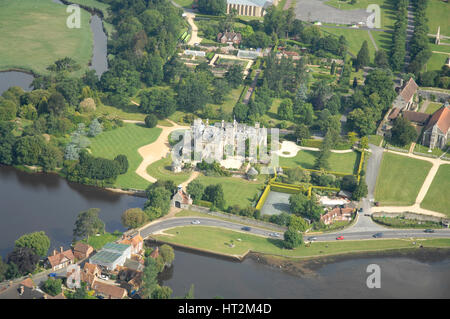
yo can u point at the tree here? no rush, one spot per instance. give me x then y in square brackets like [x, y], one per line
[214, 194]
[403, 132]
[292, 238]
[363, 57]
[304, 207]
[149, 279]
[302, 133]
[285, 110]
[234, 75]
[195, 189]
[7, 141]
[57, 104]
[133, 218]
[190, 293]
[88, 224]
[240, 111]
[80, 293]
[8, 110]
[122, 161]
[163, 292]
[167, 254]
[381, 59]
[38, 241]
[3, 270]
[297, 223]
[95, 128]
[24, 258]
[355, 82]
[151, 121]
[52, 286]
[364, 142]
[361, 190]
[213, 7]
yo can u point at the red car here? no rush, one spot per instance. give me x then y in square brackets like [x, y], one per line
[340, 238]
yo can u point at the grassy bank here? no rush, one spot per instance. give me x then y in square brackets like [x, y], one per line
[217, 240]
[34, 34]
[125, 140]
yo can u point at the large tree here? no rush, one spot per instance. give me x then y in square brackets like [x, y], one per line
[363, 57]
[403, 132]
[88, 224]
[214, 7]
[292, 238]
[24, 258]
[133, 217]
[38, 241]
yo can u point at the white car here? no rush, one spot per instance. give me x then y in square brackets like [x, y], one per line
[274, 235]
[195, 222]
[104, 277]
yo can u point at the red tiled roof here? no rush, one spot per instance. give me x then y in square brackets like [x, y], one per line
[109, 290]
[81, 247]
[394, 113]
[441, 118]
[416, 117]
[408, 91]
[59, 257]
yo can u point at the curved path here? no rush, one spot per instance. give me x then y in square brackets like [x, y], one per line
[157, 150]
[190, 15]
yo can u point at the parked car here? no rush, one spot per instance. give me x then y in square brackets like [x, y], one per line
[429, 231]
[367, 215]
[378, 235]
[274, 235]
[360, 210]
[195, 222]
[312, 238]
[246, 228]
[377, 204]
[104, 277]
[340, 238]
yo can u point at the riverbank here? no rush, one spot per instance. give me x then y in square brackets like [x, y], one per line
[235, 244]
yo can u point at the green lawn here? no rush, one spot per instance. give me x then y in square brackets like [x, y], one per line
[125, 140]
[386, 6]
[382, 39]
[400, 179]
[437, 14]
[184, 3]
[438, 196]
[218, 240]
[237, 191]
[230, 101]
[433, 107]
[162, 170]
[375, 139]
[436, 62]
[424, 149]
[355, 39]
[99, 241]
[34, 35]
[339, 162]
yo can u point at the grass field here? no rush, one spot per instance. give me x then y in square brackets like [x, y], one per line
[339, 162]
[237, 191]
[162, 170]
[382, 39]
[386, 6]
[433, 107]
[184, 3]
[424, 149]
[355, 39]
[438, 196]
[219, 240]
[125, 140]
[230, 101]
[400, 179]
[437, 14]
[436, 62]
[34, 35]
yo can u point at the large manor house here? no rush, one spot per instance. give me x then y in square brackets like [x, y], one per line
[252, 8]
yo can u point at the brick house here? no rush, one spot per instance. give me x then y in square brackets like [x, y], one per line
[337, 214]
[109, 291]
[405, 98]
[82, 251]
[90, 273]
[61, 259]
[437, 133]
[229, 37]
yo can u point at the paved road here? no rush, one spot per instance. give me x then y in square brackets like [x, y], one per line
[350, 234]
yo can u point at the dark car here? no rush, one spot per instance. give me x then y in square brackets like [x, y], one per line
[429, 231]
[312, 238]
[378, 235]
[246, 228]
[360, 210]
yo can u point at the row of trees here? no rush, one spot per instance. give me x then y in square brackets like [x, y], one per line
[419, 46]
[398, 47]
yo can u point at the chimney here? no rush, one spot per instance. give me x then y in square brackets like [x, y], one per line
[54, 252]
[61, 249]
